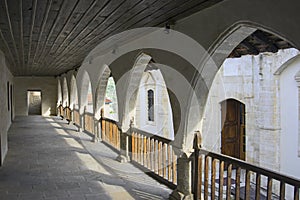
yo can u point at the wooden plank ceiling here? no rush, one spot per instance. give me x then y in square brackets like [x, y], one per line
[50, 37]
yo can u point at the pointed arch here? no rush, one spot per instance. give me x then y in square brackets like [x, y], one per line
[65, 93]
[101, 89]
[73, 94]
[86, 95]
[59, 93]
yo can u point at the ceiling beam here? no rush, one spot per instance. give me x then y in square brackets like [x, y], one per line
[250, 47]
[11, 32]
[42, 29]
[54, 24]
[34, 6]
[261, 37]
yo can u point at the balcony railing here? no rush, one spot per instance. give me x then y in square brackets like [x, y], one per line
[219, 176]
[89, 122]
[76, 117]
[155, 154]
[67, 113]
[111, 133]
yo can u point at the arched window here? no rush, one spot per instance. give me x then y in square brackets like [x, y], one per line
[150, 105]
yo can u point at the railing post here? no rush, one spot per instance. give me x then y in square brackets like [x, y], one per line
[184, 178]
[124, 145]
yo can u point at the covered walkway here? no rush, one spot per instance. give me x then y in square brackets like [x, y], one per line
[48, 159]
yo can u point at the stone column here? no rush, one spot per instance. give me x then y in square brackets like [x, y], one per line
[82, 122]
[124, 145]
[97, 128]
[184, 178]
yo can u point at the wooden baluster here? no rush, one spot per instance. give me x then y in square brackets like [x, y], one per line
[200, 167]
[164, 158]
[148, 153]
[102, 129]
[145, 151]
[228, 187]
[257, 188]
[159, 159]
[156, 156]
[139, 148]
[116, 135]
[296, 192]
[110, 133]
[107, 130]
[152, 154]
[136, 147]
[221, 178]
[206, 169]
[118, 138]
[237, 183]
[132, 147]
[282, 190]
[174, 167]
[269, 189]
[213, 179]
[247, 186]
[169, 162]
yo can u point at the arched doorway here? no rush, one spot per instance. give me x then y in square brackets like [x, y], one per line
[233, 134]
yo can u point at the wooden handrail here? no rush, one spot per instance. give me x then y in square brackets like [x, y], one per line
[154, 153]
[151, 135]
[111, 132]
[263, 171]
[205, 161]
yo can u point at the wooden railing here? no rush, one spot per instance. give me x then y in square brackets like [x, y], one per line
[111, 133]
[89, 122]
[60, 110]
[218, 176]
[154, 153]
[76, 117]
[67, 113]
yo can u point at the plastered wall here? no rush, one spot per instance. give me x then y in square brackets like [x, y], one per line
[6, 114]
[48, 88]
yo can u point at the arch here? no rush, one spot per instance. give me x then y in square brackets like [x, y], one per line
[172, 51]
[65, 93]
[73, 94]
[59, 93]
[101, 90]
[111, 100]
[218, 52]
[86, 95]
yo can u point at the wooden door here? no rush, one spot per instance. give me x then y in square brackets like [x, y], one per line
[233, 129]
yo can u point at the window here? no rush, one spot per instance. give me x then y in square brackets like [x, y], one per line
[150, 105]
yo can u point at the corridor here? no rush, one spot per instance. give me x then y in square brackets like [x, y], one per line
[48, 159]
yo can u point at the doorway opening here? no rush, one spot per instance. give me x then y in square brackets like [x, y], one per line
[233, 135]
[34, 102]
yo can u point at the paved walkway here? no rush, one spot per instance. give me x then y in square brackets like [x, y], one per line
[48, 159]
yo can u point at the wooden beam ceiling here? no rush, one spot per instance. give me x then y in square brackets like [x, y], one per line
[50, 37]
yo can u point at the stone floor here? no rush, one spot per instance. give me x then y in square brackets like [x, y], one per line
[48, 159]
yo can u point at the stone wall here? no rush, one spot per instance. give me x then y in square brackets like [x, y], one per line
[252, 81]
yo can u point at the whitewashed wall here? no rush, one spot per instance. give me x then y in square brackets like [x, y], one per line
[5, 117]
